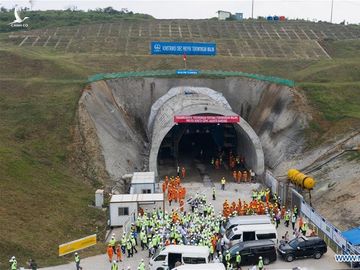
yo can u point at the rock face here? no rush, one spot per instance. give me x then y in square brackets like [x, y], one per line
[120, 110]
[335, 168]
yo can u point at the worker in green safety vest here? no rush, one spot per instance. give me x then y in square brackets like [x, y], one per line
[143, 239]
[13, 263]
[114, 266]
[129, 248]
[142, 265]
[227, 256]
[112, 243]
[238, 260]
[223, 182]
[287, 218]
[77, 261]
[261, 263]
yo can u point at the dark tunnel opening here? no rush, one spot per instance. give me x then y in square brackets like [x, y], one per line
[187, 143]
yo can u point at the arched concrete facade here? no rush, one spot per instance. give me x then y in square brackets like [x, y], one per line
[210, 94]
[200, 103]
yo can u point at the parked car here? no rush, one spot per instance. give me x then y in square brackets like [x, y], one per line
[250, 252]
[243, 233]
[167, 257]
[244, 220]
[206, 266]
[302, 247]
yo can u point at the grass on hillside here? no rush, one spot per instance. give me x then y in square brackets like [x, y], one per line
[44, 199]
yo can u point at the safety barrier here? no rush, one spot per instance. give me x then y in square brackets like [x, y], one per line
[324, 229]
[172, 73]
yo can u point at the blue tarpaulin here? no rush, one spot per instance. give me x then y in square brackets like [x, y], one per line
[352, 236]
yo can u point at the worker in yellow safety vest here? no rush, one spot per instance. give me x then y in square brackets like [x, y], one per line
[223, 182]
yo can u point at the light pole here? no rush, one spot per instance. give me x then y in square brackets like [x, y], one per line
[252, 9]
[332, 8]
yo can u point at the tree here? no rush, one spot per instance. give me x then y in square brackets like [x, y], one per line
[110, 10]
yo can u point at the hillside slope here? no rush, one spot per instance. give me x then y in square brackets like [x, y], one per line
[43, 197]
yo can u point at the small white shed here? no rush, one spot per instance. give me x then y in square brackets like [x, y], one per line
[142, 182]
[99, 198]
[223, 15]
[124, 207]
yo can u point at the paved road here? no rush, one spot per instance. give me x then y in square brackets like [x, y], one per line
[233, 192]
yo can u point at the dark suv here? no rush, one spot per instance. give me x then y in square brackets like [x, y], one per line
[302, 247]
[250, 252]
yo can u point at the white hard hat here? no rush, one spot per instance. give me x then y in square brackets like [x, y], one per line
[260, 257]
[114, 261]
[13, 257]
[76, 253]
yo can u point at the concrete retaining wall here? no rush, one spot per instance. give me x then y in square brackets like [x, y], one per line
[271, 111]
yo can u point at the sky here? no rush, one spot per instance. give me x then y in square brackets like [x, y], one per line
[348, 10]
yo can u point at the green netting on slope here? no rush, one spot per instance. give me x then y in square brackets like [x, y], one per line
[172, 73]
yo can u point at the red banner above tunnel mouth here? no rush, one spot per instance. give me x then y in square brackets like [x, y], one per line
[207, 119]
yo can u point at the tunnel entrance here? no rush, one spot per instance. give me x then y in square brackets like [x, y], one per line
[187, 144]
[187, 120]
[197, 141]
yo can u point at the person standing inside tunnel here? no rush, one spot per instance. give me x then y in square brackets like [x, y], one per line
[217, 164]
[244, 176]
[223, 182]
[238, 177]
[183, 172]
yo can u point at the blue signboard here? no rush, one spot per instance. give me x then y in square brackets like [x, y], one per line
[187, 48]
[187, 72]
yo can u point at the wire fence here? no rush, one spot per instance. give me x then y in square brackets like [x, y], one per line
[172, 73]
[323, 228]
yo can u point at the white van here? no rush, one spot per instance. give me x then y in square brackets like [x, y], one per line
[244, 220]
[242, 233]
[166, 258]
[207, 266]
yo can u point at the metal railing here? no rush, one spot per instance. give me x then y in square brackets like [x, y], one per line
[172, 73]
[323, 228]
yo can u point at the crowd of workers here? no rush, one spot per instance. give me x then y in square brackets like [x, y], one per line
[175, 192]
[198, 226]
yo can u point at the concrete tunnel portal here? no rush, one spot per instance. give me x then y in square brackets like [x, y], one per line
[183, 143]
